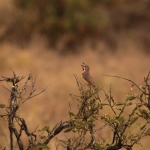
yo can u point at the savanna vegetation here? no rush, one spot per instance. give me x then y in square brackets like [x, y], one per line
[89, 118]
[53, 38]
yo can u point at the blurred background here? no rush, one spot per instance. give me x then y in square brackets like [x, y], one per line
[53, 37]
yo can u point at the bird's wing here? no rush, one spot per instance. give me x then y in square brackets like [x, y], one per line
[88, 79]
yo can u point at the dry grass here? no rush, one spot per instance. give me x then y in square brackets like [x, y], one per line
[51, 106]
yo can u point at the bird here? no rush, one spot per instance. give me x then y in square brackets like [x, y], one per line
[86, 75]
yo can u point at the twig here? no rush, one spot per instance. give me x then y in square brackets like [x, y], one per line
[6, 88]
[57, 130]
[31, 96]
[79, 84]
[125, 79]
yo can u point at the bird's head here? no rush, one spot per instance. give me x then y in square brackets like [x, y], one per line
[85, 67]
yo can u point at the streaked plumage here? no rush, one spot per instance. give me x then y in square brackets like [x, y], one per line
[86, 75]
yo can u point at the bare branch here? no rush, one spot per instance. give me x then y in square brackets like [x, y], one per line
[58, 129]
[125, 79]
[79, 84]
[6, 88]
[31, 96]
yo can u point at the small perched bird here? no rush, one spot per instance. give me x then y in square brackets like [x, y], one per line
[86, 75]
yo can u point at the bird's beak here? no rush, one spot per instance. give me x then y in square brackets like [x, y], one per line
[83, 64]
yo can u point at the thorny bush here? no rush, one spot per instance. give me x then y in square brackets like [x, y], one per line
[91, 117]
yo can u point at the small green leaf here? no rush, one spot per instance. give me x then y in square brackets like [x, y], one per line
[141, 96]
[132, 85]
[145, 113]
[121, 119]
[2, 106]
[68, 130]
[46, 128]
[133, 120]
[98, 146]
[130, 98]
[119, 109]
[143, 127]
[43, 137]
[129, 104]
[119, 104]
[147, 132]
[71, 114]
[134, 138]
[137, 107]
[40, 145]
[103, 104]
[112, 100]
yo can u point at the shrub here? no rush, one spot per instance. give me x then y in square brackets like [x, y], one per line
[127, 121]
